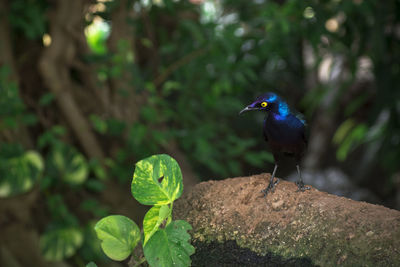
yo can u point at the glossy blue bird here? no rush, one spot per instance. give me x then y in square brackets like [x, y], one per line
[285, 132]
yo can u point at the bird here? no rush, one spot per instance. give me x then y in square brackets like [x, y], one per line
[285, 131]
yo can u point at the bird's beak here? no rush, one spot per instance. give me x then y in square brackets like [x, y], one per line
[248, 108]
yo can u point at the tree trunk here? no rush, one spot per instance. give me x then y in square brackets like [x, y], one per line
[55, 66]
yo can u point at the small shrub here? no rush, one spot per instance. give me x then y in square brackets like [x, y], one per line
[157, 181]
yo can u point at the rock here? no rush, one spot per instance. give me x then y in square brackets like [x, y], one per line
[234, 225]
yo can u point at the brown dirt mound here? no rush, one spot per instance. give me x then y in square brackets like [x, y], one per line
[324, 228]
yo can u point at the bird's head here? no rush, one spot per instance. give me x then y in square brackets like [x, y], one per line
[268, 102]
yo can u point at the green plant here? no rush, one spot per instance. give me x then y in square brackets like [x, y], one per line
[157, 181]
[18, 172]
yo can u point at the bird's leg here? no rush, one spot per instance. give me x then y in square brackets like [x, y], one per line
[272, 183]
[299, 183]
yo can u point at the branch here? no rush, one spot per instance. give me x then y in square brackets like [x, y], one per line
[55, 67]
[177, 64]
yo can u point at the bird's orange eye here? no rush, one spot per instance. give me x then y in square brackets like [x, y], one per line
[264, 104]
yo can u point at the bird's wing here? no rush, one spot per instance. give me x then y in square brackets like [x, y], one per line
[306, 132]
[300, 116]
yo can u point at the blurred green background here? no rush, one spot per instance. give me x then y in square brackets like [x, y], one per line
[88, 88]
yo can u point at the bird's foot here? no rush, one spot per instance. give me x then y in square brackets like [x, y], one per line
[270, 187]
[301, 187]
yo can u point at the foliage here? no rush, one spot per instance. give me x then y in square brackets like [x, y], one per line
[153, 219]
[235, 50]
[157, 181]
[170, 246]
[119, 236]
[19, 173]
[61, 243]
[67, 164]
[347, 135]
[63, 166]
[12, 109]
[96, 35]
[370, 56]
[29, 17]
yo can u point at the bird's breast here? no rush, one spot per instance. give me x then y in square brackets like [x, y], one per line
[284, 130]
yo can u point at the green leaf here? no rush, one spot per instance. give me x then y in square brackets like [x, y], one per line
[170, 246]
[19, 174]
[98, 169]
[146, 42]
[149, 114]
[99, 124]
[94, 207]
[194, 30]
[29, 119]
[169, 87]
[35, 159]
[343, 130]
[59, 210]
[96, 36]
[68, 164]
[165, 211]
[157, 180]
[91, 264]
[153, 219]
[356, 104]
[95, 185]
[46, 99]
[59, 244]
[353, 139]
[119, 236]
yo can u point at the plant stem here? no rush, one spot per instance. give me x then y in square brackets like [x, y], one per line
[142, 260]
[170, 213]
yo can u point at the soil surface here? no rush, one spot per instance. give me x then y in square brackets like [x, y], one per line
[321, 228]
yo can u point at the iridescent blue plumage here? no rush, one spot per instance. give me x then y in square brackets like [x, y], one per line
[285, 131]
